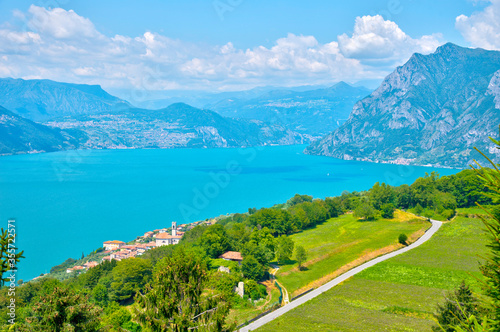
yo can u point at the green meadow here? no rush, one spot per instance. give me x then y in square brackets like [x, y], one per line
[343, 240]
[399, 294]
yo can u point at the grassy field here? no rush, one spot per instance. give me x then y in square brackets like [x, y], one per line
[342, 241]
[400, 294]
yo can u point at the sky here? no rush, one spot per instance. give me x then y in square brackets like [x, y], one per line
[226, 45]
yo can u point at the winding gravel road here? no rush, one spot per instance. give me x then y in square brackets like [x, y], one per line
[292, 305]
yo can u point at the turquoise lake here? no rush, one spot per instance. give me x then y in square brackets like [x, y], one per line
[66, 203]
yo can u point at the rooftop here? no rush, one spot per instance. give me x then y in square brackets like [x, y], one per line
[232, 255]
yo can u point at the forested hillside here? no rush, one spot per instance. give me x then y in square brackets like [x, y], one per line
[104, 293]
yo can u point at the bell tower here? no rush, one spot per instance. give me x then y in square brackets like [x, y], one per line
[174, 228]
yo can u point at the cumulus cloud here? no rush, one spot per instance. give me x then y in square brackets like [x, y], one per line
[61, 45]
[61, 24]
[482, 29]
[375, 38]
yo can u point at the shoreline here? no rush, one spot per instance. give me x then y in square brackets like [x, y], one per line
[387, 162]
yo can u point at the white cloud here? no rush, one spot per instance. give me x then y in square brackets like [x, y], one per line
[67, 47]
[60, 23]
[482, 29]
[375, 38]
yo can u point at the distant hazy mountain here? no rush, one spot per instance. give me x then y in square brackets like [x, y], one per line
[40, 100]
[178, 125]
[432, 110]
[314, 112]
[196, 98]
[19, 135]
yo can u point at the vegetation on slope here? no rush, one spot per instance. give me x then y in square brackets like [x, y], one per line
[264, 236]
[399, 294]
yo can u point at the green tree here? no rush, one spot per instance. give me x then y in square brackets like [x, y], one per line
[255, 290]
[215, 241]
[365, 211]
[238, 234]
[129, 276]
[491, 269]
[297, 199]
[194, 235]
[62, 310]
[177, 299]
[402, 238]
[155, 255]
[387, 210]
[403, 196]
[100, 295]
[419, 209]
[252, 269]
[284, 248]
[333, 206]
[117, 319]
[259, 251]
[457, 308]
[300, 255]
[8, 256]
[277, 220]
[381, 194]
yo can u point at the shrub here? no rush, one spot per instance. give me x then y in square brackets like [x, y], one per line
[251, 268]
[458, 306]
[254, 290]
[403, 238]
[365, 211]
[387, 210]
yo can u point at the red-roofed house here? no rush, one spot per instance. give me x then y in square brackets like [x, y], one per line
[165, 239]
[112, 245]
[151, 245]
[232, 256]
[75, 268]
[90, 264]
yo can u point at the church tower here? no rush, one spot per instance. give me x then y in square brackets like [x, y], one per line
[174, 228]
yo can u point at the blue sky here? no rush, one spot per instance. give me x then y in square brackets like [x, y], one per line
[231, 44]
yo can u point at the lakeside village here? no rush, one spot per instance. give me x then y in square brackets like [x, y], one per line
[119, 250]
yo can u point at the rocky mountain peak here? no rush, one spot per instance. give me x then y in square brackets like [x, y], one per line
[432, 110]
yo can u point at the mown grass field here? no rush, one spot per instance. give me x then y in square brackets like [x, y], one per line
[400, 294]
[343, 240]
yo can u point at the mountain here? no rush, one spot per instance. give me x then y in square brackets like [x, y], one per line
[178, 125]
[41, 100]
[296, 110]
[196, 98]
[432, 110]
[19, 135]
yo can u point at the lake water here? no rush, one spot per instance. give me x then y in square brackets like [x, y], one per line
[66, 203]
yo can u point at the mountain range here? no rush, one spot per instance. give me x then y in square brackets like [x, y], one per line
[312, 112]
[20, 135]
[41, 100]
[432, 110]
[178, 125]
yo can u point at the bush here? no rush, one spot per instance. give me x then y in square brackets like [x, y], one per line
[448, 214]
[254, 290]
[418, 209]
[387, 210]
[403, 238]
[365, 211]
[251, 268]
[457, 308]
